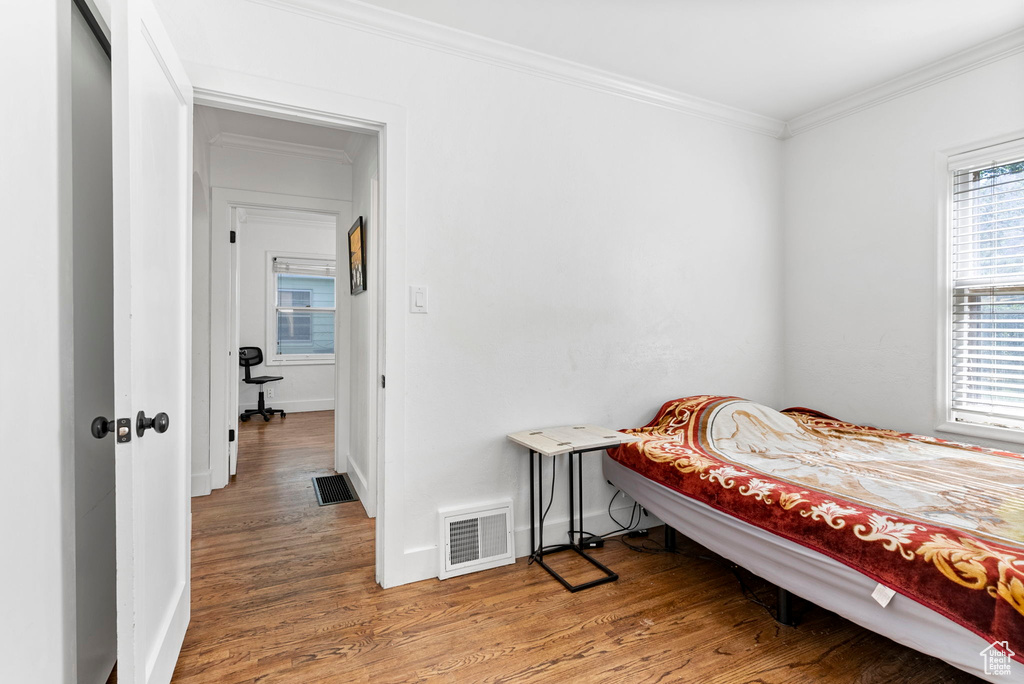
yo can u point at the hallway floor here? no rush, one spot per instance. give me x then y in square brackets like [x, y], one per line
[283, 591]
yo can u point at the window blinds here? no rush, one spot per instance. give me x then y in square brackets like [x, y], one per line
[309, 267]
[987, 374]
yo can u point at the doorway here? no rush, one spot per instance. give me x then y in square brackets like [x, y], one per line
[275, 189]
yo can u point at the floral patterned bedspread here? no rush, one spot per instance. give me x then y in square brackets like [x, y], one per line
[939, 522]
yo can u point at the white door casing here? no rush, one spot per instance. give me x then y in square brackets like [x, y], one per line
[152, 160]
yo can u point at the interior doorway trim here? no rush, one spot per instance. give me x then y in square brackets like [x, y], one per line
[256, 95]
[224, 318]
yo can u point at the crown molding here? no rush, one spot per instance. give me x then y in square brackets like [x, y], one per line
[291, 219]
[396, 26]
[293, 222]
[962, 62]
[288, 149]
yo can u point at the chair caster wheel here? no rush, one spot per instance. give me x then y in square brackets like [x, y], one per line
[266, 419]
[244, 419]
[283, 414]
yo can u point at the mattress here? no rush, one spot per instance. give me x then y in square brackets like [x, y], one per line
[806, 573]
[938, 522]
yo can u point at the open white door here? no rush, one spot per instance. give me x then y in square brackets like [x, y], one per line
[152, 142]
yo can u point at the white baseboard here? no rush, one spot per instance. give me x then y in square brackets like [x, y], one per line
[298, 406]
[362, 486]
[201, 485]
[422, 563]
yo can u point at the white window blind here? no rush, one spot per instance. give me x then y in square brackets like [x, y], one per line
[987, 212]
[310, 267]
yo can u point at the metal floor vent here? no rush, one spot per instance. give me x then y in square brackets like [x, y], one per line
[476, 538]
[334, 489]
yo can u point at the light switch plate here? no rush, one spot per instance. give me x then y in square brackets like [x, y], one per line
[417, 299]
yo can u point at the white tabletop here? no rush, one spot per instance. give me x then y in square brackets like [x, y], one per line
[569, 438]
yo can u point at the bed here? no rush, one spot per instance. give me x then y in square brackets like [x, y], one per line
[828, 510]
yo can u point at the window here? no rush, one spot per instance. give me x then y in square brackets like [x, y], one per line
[301, 328]
[986, 362]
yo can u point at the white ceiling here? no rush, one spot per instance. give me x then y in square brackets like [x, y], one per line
[777, 58]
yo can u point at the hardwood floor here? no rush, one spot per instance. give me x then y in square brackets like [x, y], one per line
[283, 591]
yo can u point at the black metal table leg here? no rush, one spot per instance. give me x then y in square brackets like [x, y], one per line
[575, 483]
[533, 527]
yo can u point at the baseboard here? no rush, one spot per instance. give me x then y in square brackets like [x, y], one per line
[298, 406]
[361, 484]
[201, 484]
[421, 564]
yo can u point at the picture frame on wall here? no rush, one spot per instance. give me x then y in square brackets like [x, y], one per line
[357, 257]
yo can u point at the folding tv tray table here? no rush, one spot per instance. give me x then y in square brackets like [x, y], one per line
[574, 440]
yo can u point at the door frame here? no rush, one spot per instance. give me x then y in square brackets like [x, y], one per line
[224, 299]
[256, 95]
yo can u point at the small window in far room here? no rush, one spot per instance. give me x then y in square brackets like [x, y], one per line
[986, 361]
[302, 312]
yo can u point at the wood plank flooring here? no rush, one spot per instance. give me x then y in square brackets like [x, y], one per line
[283, 591]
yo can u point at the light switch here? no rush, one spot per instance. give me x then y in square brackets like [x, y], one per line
[417, 299]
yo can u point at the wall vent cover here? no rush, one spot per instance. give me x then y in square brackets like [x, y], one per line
[476, 538]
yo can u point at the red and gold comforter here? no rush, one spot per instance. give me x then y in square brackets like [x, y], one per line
[939, 522]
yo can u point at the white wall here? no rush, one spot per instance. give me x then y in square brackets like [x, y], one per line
[588, 256]
[363, 373]
[861, 241]
[201, 200]
[37, 496]
[304, 387]
[245, 169]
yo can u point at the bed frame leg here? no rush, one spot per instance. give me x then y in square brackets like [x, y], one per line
[670, 538]
[784, 612]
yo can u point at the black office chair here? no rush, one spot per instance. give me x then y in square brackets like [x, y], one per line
[247, 358]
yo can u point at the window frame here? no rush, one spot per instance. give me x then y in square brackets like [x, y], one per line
[271, 357]
[993, 151]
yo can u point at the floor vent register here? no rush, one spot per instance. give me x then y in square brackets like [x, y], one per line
[334, 489]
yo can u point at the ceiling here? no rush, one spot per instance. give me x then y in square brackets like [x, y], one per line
[219, 122]
[777, 58]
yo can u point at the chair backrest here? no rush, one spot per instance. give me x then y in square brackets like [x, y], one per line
[249, 356]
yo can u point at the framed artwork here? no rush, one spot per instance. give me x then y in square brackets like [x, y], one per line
[357, 257]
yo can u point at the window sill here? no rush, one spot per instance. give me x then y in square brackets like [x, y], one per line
[319, 360]
[1000, 434]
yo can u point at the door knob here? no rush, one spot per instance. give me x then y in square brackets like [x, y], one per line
[101, 427]
[160, 422]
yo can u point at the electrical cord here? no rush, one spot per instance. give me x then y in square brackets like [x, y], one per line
[551, 499]
[635, 513]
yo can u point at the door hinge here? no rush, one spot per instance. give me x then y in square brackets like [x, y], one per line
[232, 237]
[231, 435]
[382, 382]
